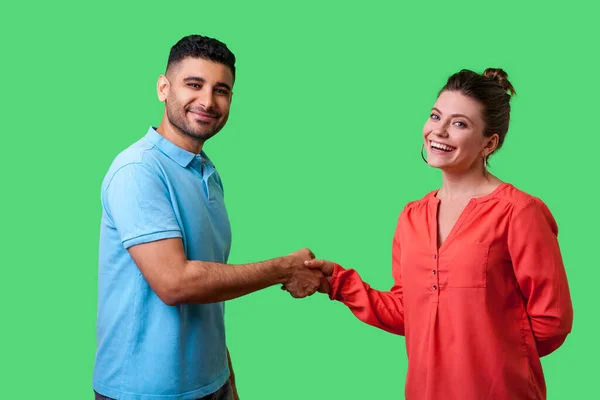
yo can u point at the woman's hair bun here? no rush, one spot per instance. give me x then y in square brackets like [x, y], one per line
[500, 76]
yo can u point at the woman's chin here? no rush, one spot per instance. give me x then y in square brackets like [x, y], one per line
[438, 164]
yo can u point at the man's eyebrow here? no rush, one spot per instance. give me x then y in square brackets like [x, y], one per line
[193, 79]
[223, 84]
[202, 80]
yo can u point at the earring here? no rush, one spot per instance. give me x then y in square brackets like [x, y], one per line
[422, 156]
[485, 162]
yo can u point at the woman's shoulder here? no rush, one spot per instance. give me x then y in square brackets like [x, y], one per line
[525, 206]
[519, 198]
[418, 205]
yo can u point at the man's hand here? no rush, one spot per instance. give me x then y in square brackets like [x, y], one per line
[301, 281]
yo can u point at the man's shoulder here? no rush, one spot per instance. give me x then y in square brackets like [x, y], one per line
[138, 156]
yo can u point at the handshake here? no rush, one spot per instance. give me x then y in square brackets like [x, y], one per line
[304, 275]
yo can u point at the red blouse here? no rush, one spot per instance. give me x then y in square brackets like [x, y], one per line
[479, 312]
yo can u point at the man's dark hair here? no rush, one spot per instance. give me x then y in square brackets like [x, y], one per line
[204, 47]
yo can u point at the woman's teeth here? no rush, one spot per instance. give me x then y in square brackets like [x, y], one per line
[441, 146]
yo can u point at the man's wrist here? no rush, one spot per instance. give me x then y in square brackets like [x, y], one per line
[279, 270]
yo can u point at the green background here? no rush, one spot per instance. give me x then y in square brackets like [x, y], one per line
[322, 150]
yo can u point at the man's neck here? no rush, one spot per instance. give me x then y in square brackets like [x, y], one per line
[175, 136]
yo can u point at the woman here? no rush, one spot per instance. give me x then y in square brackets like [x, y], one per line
[480, 290]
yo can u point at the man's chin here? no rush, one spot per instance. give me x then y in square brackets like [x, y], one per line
[202, 135]
[201, 129]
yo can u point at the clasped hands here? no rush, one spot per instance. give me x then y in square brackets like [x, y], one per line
[305, 275]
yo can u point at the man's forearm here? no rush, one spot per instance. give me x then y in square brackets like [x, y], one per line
[177, 280]
[206, 282]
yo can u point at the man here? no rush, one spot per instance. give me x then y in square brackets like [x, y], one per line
[164, 244]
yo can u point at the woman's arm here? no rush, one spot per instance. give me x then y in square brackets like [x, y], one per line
[538, 266]
[384, 310]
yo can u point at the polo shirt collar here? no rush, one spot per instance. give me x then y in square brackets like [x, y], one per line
[171, 150]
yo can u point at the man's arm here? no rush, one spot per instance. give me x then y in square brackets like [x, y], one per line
[138, 202]
[177, 280]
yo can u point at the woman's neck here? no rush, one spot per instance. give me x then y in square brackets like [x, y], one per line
[474, 183]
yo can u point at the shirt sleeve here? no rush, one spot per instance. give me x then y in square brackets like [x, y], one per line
[138, 203]
[384, 310]
[538, 265]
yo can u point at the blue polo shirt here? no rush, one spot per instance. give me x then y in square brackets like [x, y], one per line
[146, 349]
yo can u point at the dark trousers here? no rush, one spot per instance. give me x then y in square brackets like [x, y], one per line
[224, 393]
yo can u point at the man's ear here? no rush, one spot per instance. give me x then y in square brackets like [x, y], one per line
[162, 88]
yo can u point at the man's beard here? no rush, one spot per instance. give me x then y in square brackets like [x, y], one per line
[204, 130]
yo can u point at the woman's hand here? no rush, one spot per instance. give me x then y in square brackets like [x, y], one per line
[326, 268]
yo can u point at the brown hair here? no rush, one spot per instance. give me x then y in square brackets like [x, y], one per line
[493, 91]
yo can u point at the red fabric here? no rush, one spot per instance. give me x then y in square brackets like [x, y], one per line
[479, 312]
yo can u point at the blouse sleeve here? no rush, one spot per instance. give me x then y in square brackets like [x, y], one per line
[384, 310]
[538, 265]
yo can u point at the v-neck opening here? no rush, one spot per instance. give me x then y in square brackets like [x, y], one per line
[461, 217]
[459, 221]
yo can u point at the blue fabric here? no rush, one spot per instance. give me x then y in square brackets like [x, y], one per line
[147, 350]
